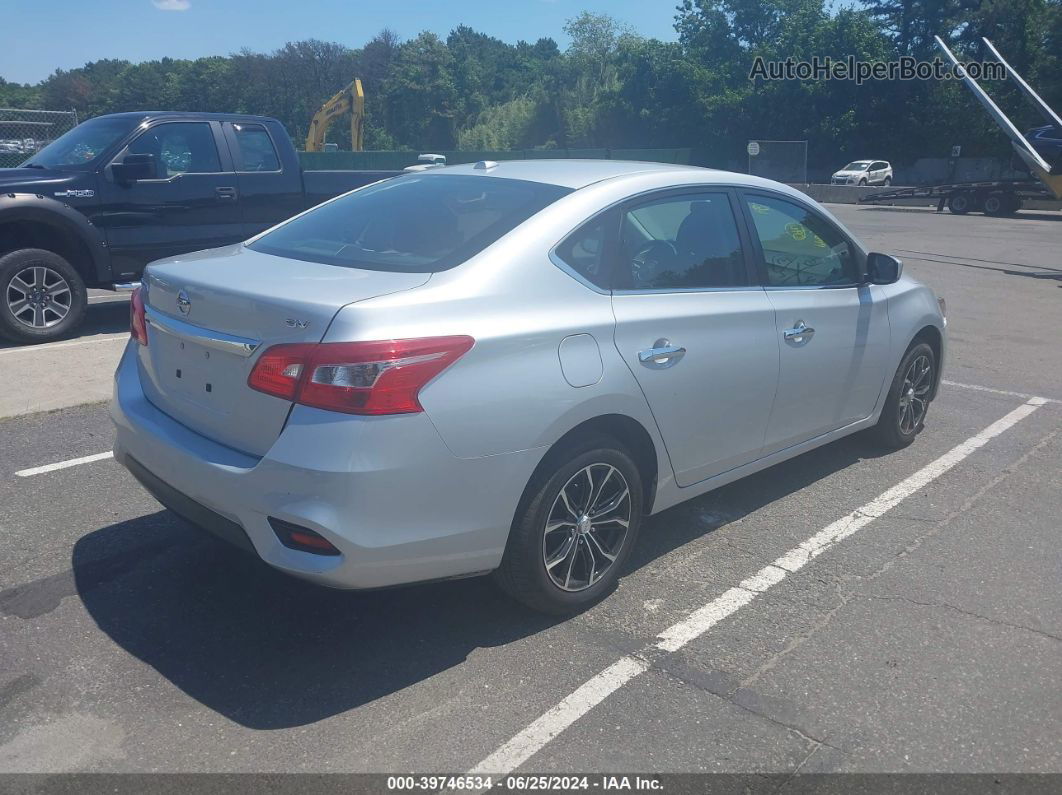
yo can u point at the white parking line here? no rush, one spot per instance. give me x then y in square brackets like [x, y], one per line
[995, 391]
[591, 693]
[51, 346]
[73, 462]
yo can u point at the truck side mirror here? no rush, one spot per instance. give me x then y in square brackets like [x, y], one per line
[135, 167]
[883, 268]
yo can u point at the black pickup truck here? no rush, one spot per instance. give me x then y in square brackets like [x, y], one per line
[96, 205]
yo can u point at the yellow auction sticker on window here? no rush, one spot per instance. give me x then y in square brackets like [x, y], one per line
[796, 231]
[759, 209]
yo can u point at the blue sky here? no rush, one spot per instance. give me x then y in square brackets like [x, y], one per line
[39, 36]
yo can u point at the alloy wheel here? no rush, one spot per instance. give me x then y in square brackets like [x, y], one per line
[914, 394]
[38, 297]
[586, 527]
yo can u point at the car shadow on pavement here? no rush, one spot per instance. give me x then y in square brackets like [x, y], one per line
[696, 518]
[264, 649]
[269, 651]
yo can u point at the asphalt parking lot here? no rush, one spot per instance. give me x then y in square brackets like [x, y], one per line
[844, 611]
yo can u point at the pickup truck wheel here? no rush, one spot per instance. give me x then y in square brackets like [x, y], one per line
[43, 296]
[574, 528]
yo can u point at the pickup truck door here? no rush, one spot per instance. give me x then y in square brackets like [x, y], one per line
[192, 203]
[267, 174]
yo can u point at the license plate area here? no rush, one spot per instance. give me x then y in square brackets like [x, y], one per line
[209, 378]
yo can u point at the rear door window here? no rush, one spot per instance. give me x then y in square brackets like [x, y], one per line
[584, 250]
[255, 150]
[681, 242]
[413, 224]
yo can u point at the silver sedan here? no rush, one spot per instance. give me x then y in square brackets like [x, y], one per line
[504, 367]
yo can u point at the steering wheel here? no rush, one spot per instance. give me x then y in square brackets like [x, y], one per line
[651, 260]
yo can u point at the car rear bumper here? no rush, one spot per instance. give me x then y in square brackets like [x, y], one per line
[385, 491]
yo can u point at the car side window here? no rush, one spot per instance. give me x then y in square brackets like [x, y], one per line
[256, 150]
[800, 248]
[180, 148]
[680, 242]
[584, 250]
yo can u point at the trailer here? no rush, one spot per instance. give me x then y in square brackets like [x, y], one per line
[992, 197]
[995, 197]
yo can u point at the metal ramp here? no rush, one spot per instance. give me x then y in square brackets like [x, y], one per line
[996, 197]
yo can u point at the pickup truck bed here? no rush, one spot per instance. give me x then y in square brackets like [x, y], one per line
[95, 206]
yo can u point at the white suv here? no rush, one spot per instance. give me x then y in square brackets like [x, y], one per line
[864, 172]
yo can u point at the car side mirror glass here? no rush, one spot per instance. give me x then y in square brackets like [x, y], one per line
[135, 167]
[883, 268]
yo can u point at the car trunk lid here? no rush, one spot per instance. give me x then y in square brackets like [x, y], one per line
[211, 314]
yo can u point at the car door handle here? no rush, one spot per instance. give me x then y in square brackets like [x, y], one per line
[225, 194]
[799, 334]
[662, 354]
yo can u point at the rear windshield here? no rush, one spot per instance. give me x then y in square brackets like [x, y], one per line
[413, 224]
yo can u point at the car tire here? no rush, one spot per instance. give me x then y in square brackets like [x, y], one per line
[863, 183]
[575, 581]
[907, 403]
[887, 182]
[42, 296]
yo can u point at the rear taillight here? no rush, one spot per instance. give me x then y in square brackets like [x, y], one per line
[279, 370]
[381, 377]
[137, 319]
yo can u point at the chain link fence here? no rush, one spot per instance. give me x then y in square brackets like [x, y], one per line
[782, 161]
[24, 132]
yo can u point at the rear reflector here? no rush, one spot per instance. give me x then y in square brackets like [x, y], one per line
[380, 377]
[303, 539]
[137, 319]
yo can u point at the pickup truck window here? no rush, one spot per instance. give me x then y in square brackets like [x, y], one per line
[413, 224]
[80, 148]
[180, 148]
[256, 150]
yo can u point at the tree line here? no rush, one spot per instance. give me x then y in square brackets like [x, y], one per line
[612, 87]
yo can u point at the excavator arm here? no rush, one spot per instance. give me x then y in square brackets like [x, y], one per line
[349, 100]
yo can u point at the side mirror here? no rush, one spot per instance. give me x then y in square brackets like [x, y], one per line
[135, 167]
[883, 268]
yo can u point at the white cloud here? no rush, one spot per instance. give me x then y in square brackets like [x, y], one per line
[172, 5]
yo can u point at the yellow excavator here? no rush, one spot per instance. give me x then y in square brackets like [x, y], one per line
[350, 100]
